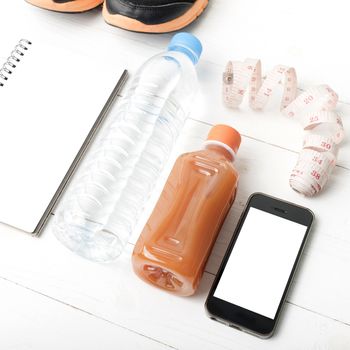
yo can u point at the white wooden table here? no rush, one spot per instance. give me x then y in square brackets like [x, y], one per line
[52, 299]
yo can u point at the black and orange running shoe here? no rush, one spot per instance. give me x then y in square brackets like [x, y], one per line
[152, 16]
[66, 5]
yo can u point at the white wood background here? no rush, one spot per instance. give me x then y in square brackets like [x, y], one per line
[52, 299]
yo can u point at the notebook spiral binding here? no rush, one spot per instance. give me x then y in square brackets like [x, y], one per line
[11, 63]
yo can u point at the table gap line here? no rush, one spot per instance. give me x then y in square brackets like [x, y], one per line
[262, 141]
[318, 313]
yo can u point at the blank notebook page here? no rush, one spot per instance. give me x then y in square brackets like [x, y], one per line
[47, 107]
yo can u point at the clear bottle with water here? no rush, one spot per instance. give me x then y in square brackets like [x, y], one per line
[100, 211]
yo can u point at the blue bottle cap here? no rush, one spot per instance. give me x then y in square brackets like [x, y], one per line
[187, 44]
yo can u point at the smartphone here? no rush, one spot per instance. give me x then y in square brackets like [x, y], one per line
[259, 264]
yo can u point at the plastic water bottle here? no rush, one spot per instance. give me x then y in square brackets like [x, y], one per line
[101, 209]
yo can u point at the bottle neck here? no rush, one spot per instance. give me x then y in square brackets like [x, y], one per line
[221, 149]
[186, 52]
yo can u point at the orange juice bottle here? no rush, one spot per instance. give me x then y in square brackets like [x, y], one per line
[176, 241]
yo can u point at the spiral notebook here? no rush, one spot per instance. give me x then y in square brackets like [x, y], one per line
[50, 98]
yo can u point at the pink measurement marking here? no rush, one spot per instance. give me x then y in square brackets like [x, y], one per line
[326, 145]
[308, 99]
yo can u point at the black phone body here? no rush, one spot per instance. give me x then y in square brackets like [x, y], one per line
[258, 267]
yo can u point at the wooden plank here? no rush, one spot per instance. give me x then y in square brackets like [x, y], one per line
[29, 320]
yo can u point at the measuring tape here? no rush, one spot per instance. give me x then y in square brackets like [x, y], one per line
[314, 109]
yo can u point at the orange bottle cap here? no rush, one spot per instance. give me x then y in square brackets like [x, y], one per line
[227, 135]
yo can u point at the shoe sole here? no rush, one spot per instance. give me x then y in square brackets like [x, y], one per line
[71, 6]
[136, 26]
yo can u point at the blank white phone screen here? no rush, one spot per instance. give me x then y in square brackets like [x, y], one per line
[261, 261]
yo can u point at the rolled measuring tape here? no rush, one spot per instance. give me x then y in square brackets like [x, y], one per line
[314, 109]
